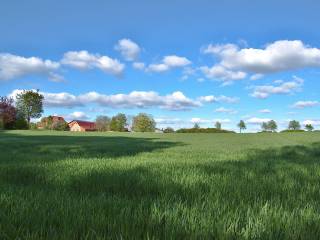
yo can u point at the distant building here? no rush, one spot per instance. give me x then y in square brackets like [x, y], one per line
[81, 126]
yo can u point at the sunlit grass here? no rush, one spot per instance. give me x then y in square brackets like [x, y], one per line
[159, 186]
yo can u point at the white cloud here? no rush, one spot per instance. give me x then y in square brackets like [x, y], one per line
[255, 120]
[77, 116]
[128, 49]
[219, 99]
[13, 66]
[220, 72]
[278, 56]
[235, 63]
[168, 121]
[264, 111]
[137, 99]
[312, 122]
[225, 110]
[305, 104]
[290, 87]
[85, 60]
[138, 65]
[168, 63]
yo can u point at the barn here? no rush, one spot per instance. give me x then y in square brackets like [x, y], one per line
[81, 126]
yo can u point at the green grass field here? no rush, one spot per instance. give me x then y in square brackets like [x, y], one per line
[159, 186]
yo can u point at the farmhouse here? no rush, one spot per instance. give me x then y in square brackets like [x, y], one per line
[81, 126]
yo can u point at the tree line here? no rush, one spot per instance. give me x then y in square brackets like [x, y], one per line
[29, 104]
[141, 123]
[271, 126]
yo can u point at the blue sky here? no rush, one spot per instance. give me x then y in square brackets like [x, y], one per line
[181, 61]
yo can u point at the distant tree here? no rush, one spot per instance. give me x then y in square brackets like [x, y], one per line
[241, 125]
[217, 125]
[7, 113]
[103, 123]
[272, 125]
[46, 122]
[196, 126]
[118, 123]
[143, 123]
[168, 130]
[264, 126]
[309, 127]
[294, 125]
[30, 104]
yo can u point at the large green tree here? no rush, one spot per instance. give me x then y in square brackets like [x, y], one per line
[103, 123]
[143, 123]
[118, 123]
[30, 104]
[241, 125]
[294, 125]
[272, 125]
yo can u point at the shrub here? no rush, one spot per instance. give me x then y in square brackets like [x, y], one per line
[203, 130]
[21, 123]
[291, 130]
[60, 126]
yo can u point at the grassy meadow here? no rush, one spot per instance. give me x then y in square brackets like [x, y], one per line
[63, 185]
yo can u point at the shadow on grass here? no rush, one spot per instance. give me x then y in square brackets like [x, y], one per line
[52, 147]
[286, 177]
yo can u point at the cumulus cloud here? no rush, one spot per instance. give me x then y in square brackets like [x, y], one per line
[176, 101]
[84, 60]
[13, 66]
[128, 49]
[225, 110]
[76, 115]
[264, 111]
[278, 56]
[255, 120]
[218, 99]
[62, 99]
[168, 63]
[220, 72]
[265, 91]
[282, 55]
[305, 104]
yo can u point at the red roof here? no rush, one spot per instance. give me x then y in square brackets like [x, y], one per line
[85, 124]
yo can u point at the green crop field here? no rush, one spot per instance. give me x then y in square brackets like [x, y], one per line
[62, 185]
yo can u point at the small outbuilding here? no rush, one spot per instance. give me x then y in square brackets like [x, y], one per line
[81, 126]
